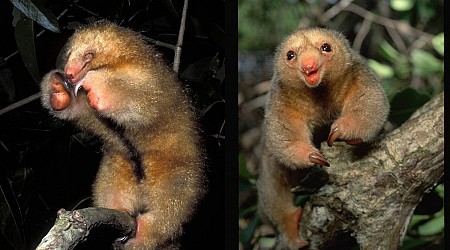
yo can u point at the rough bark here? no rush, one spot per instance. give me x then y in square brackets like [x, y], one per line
[372, 192]
[72, 227]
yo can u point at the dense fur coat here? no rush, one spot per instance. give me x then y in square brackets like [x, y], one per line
[113, 85]
[318, 81]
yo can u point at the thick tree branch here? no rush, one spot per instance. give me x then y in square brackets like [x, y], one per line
[72, 227]
[372, 192]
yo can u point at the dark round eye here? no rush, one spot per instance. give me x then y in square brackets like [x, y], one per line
[290, 55]
[325, 47]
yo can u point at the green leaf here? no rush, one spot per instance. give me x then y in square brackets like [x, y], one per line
[402, 5]
[36, 11]
[438, 43]
[440, 190]
[24, 34]
[244, 184]
[434, 226]
[244, 175]
[425, 63]
[243, 171]
[425, 10]
[389, 52]
[245, 235]
[382, 70]
[405, 103]
[417, 218]
[300, 200]
[248, 211]
[267, 242]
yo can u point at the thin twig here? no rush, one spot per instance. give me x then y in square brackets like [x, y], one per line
[159, 43]
[398, 41]
[13, 54]
[176, 61]
[418, 43]
[387, 22]
[362, 33]
[86, 10]
[336, 9]
[392, 26]
[20, 103]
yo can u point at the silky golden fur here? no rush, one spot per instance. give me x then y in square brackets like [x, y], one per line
[348, 96]
[142, 97]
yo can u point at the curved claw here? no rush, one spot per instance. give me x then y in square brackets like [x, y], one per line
[334, 134]
[67, 83]
[317, 158]
[122, 239]
[76, 88]
[67, 86]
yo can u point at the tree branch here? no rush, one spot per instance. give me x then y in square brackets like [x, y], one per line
[179, 45]
[72, 227]
[372, 192]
